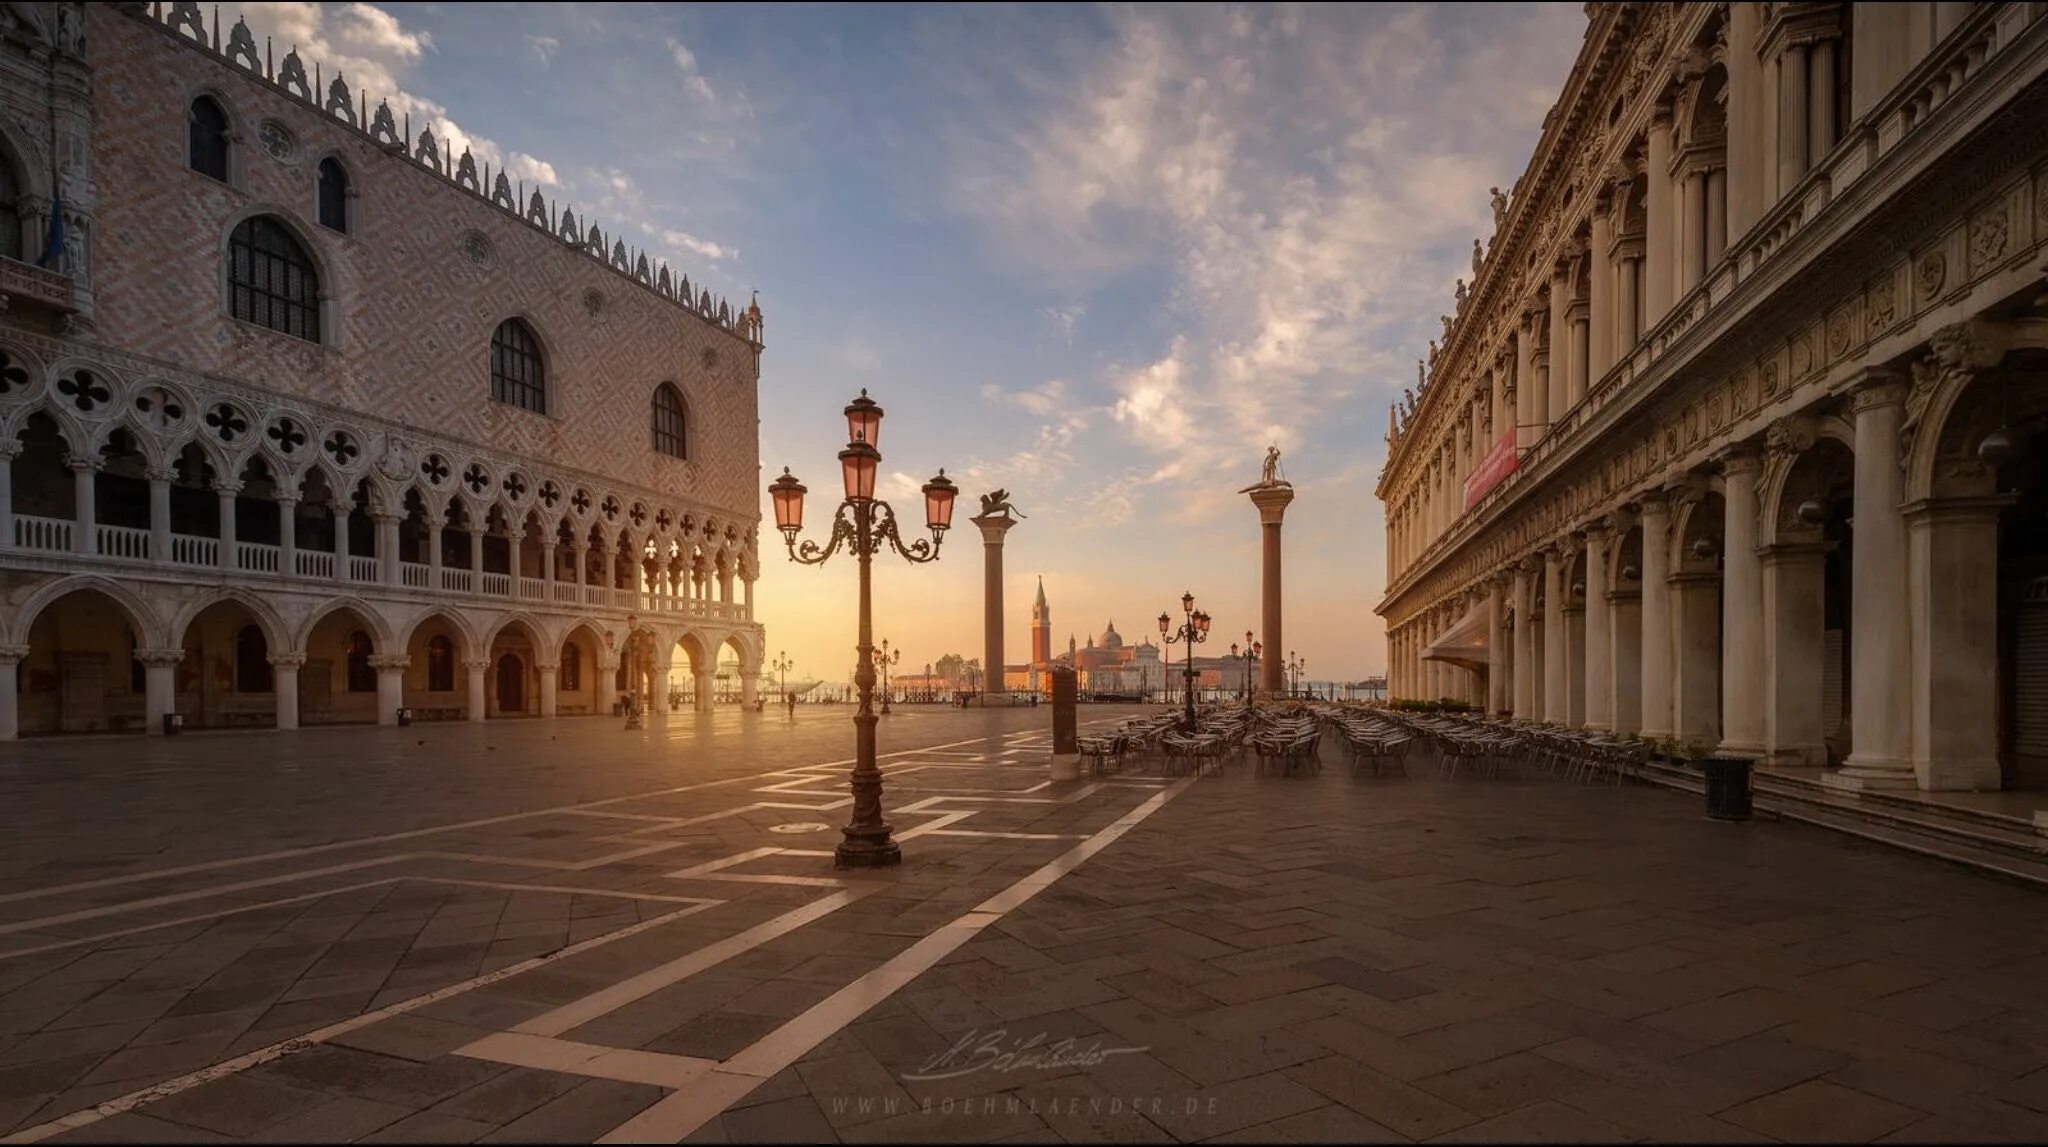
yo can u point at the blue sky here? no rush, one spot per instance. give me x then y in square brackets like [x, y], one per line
[1098, 255]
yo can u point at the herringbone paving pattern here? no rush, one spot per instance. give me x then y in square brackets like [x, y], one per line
[1315, 958]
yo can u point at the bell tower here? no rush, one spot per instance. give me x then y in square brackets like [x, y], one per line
[1041, 628]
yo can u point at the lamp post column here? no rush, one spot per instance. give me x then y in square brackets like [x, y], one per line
[1272, 504]
[868, 842]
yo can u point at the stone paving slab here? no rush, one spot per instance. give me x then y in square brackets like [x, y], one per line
[1240, 958]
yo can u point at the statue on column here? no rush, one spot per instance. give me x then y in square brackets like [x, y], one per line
[998, 502]
[1269, 474]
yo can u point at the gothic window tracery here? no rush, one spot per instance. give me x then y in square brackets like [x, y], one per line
[11, 246]
[271, 280]
[518, 372]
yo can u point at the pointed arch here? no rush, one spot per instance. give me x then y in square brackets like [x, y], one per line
[379, 627]
[275, 631]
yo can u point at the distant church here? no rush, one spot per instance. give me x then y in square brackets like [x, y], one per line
[1109, 666]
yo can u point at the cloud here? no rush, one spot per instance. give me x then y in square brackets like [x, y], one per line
[544, 47]
[1063, 320]
[1041, 400]
[686, 63]
[1290, 177]
[372, 29]
[704, 247]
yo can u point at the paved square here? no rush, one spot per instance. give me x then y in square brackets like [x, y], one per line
[568, 932]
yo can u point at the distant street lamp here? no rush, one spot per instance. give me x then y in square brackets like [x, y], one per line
[782, 665]
[883, 660]
[868, 524]
[1252, 650]
[1195, 628]
[1295, 666]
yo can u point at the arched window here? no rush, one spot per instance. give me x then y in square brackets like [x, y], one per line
[10, 211]
[252, 661]
[668, 422]
[572, 668]
[207, 138]
[440, 665]
[361, 677]
[271, 279]
[333, 196]
[518, 376]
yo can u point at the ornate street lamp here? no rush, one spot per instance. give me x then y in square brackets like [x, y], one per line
[782, 665]
[1251, 658]
[1195, 628]
[867, 525]
[883, 660]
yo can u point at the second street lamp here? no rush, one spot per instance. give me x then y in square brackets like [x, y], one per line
[782, 665]
[1251, 658]
[884, 658]
[868, 525]
[1194, 629]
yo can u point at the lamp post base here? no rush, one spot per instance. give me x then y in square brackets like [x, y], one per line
[867, 851]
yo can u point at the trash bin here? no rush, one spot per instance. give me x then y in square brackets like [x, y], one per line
[404, 715]
[1727, 784]
[173, 722]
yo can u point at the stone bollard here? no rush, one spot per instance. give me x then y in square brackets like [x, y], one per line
[1066, 744]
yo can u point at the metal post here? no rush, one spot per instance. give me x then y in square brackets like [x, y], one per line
[868, 843]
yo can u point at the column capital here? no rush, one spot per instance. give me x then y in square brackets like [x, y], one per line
[82, 462]
[152, 473]
[1595, 529]
[228, 487]
[159, 658]
[1876, 387]
[1987, 506]
[287, 660]
[1742, 458]
[390, 662]
[478, 665]
[437, 521]
[1787, 553]
[10, 448]
[286, 499]
[547, 666]
[12, 654]
[382, 514]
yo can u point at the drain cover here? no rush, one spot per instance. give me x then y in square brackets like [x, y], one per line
[802, 826]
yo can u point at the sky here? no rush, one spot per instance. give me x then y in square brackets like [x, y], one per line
[1099, 256]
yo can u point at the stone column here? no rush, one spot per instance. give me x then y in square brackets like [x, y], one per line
[1600, 296]
[287, 535]
[750, 688]
[1555, 683]
[1526, 394]
[1692, 232]
[1575, 658]
[387, 546]
[1717, 215]
[611, 570]
[1599, 710]
[284, 685]
[548, 672]
[1628, 306]
[1696, 692]
[1742, 609]
[1880, 674]
[476, 564]
[1659, 274]
[1625, 638]
[1954, 668]
[992, 527]
[607, 683]
[1272, 505]
[159, 685]
[1496, 651]
[1792, 118]
[10, 448]
[1794, 600]
[85, 525]
[11, 657]
[513, 536]
[577, 550]
[159, 513]
[1656, 640]
[479, 699]
[1526, 670]
[434, 561]
[1580, 380]
[227, 558]
[547, 564]
[390, 669]
[1561, 368]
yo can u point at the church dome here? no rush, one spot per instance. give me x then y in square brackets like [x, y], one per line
[1111, 639]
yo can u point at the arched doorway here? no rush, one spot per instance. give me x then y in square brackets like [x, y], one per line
[338, 685]
[81, 674]
[226, 680]
[511, 684]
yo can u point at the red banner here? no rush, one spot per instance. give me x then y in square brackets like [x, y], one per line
[1498, 464]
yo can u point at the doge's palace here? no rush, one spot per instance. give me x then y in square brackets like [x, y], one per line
[306, 420]
[1739, 434]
